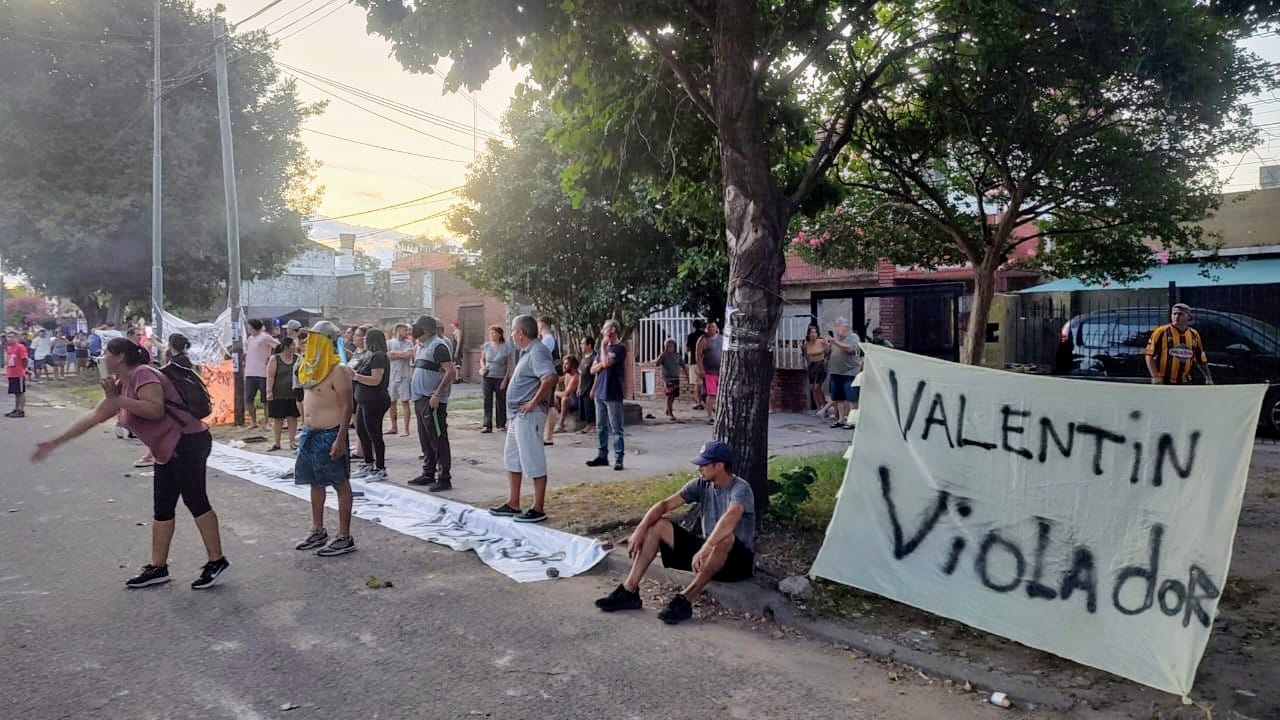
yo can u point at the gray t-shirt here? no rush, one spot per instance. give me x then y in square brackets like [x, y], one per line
[425, 381]
[715, 503]
[842, 362]
[400, 369]
[496, 358]
[534, 366]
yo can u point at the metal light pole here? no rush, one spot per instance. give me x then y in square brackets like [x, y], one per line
[233, 217]
[157, 267]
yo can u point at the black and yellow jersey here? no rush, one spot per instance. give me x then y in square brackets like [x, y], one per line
[1175, 351]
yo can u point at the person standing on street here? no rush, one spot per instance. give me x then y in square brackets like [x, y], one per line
[455, 335]
[815, 355]
[691, 357]
[282, 406]
[610, 370]
[323, 452]
[672, 363]
[586, 386]
[258, 347]
[1174, 349]
[495, 373]
[532, 383]
[844, 362]
[149, 405]
[41, 348]
[433, 375]
[15, 371]
[372, 401]
[400, 355]
[178, 346]
[709, 353]
[58, 356]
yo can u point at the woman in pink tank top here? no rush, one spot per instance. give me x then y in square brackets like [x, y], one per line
[148, 404]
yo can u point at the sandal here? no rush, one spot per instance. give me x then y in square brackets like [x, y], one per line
[273, 448]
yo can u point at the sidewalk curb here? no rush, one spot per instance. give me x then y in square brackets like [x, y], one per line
[753, 597]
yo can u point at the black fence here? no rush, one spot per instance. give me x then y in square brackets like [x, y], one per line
[1103, 332]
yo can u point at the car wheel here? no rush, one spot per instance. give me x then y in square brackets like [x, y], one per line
[1271, 412]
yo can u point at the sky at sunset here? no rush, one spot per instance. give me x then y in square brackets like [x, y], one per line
[332, 43]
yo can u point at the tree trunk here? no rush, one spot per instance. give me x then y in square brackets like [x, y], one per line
[94, 313]
[115, 312]
[755, 219]
[984, 289]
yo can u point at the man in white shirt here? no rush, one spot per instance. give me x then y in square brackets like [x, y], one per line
[41, 347]
[257, 351]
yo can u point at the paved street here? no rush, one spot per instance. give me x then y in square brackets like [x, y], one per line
[450, 639]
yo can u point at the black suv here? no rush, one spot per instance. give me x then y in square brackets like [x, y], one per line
[1109, 344]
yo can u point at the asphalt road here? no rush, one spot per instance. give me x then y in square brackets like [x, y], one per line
[451, 639]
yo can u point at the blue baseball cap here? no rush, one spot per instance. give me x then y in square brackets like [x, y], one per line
[713, 452]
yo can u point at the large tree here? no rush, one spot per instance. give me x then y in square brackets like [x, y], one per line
[571, 254]
[1093, 125]
[745, 69]
[75, 165]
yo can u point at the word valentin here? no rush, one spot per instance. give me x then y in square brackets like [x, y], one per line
[1016, 433]
[1173, 596]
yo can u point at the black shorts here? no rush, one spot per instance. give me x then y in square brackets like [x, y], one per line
[17, 386]
[280, 409]
[740, 564]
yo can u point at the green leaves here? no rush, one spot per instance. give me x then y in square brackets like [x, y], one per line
[75, 165]
[790, 491]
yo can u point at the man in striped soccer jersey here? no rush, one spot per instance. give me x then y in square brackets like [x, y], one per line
[1174, 348]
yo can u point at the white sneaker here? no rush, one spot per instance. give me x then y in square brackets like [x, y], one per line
[375, 476]
[361, 471]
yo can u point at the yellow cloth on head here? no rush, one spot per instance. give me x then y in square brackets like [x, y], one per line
[319, 357]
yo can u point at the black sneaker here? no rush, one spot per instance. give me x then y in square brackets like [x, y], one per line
[839, 425]
[530, 516]
[617, 465]
[341, 545]
[676, 611]
[441, 486]
[422, 480]
[698, 406]
[504, 510]
[150, 575]
[316, 539]
[211, 573]
[620, 599]
[17, 414]
[598, 462]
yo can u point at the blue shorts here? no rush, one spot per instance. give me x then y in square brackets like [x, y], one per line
[842, 388]
[314, 466]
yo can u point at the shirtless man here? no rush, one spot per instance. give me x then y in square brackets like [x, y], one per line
[323, 458]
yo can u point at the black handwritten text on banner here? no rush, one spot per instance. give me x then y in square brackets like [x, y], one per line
[1091, 520]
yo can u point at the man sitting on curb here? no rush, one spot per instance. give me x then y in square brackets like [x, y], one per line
[728, 524]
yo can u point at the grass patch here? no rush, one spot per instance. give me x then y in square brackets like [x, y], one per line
[589, 507]
[815, 513]
[466, 403]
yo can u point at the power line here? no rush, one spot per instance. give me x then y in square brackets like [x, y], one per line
[406, 203]
[375, 113]
[390, 104]
[322, 6]
[411, 222]
[383, 147]
[317, 21]
[265, 8]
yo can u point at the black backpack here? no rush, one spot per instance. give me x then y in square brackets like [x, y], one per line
[195, 396]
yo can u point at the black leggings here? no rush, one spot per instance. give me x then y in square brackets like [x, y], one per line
[183, 477]
[369, 414]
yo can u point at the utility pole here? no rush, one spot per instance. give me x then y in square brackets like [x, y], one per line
[157, 267]
[475, 123]
[233, 217]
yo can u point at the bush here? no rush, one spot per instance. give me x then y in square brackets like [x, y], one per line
[790, 491]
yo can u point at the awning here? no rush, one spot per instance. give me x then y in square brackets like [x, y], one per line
[1262, 271]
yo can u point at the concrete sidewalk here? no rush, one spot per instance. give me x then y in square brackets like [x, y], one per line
[657, 447]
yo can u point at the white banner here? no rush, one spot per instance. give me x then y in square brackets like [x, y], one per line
[209, 341]
[1093, 520]
[524, 553]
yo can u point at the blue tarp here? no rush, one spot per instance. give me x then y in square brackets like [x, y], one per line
[1263, 271]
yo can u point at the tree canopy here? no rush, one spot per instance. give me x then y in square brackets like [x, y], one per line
[570, 254]
[1089, 128]
[75, 166]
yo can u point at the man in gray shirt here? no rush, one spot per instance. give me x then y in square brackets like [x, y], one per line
[433, 374]
[531, 385]
[400, 386]
[725, 552]
[845, 362]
